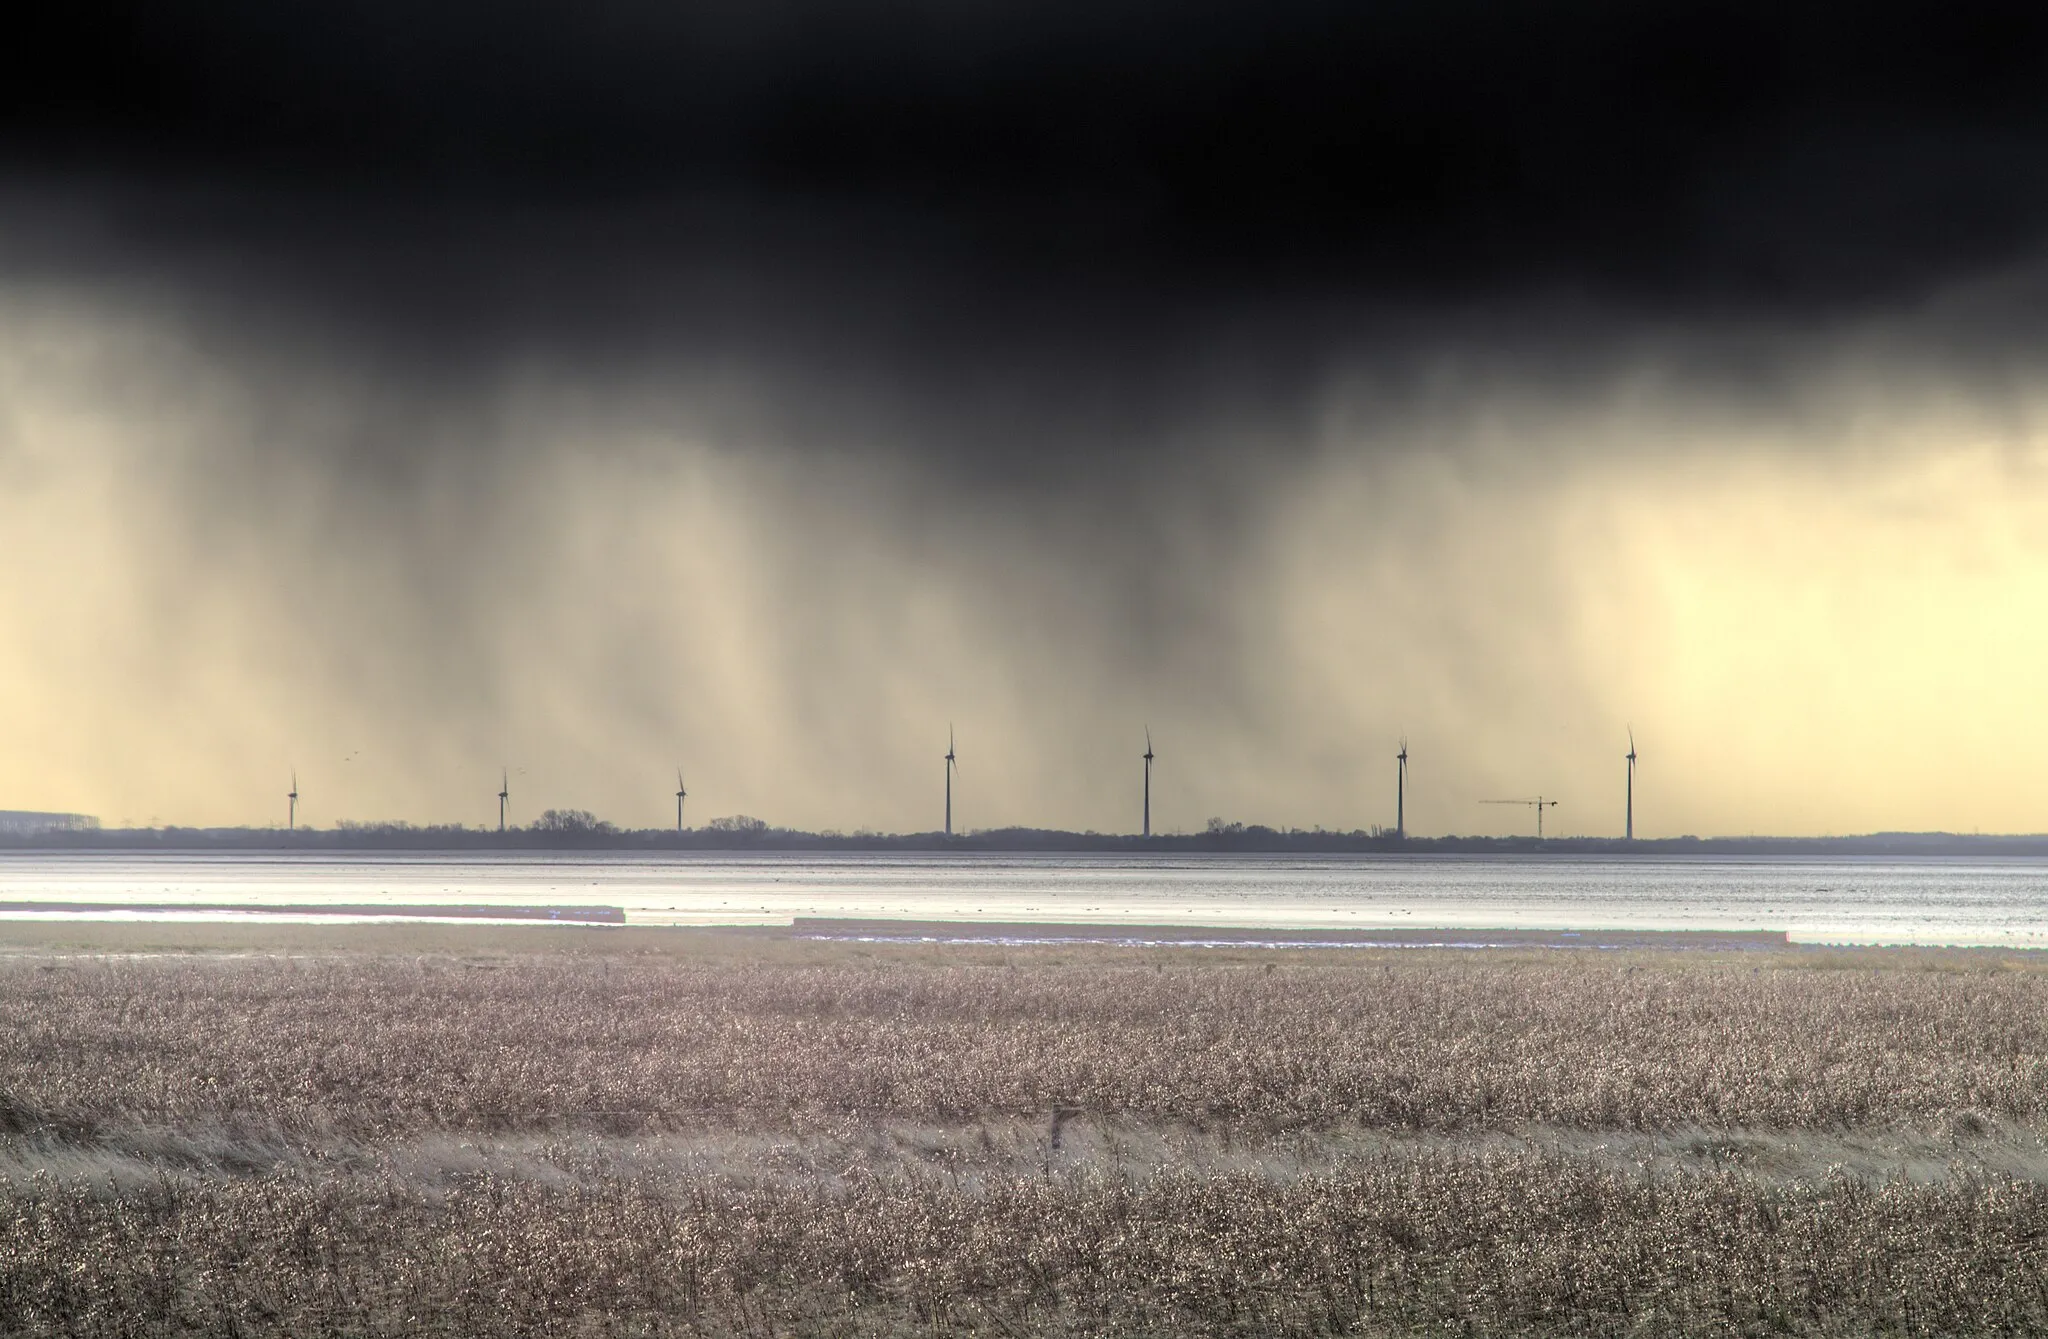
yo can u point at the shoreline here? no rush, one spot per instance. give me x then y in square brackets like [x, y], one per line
[965, 942]
[695, 842]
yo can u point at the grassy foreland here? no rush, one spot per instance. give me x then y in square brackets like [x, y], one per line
[620, 1132]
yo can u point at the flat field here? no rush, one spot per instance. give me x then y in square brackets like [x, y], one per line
[466, 1130]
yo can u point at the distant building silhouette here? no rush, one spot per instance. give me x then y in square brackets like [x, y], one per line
[27, 822]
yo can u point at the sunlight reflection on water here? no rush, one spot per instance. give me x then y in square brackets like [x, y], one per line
[1820, 901]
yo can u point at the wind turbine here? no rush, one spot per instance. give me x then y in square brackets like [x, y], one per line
[1401, 791]
[1149, 755]
[504, 794]
[952, 766]
[291, 819]
[681, 791]
[1631, 830]
[1539, 802]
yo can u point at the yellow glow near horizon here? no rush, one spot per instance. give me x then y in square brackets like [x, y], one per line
[1814, 624]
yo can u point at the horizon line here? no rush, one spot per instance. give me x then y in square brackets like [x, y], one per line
[741, 831]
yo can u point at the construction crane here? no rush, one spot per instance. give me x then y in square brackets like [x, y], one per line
[1540, 805]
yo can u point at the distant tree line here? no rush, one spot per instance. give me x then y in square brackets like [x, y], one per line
[579, 829]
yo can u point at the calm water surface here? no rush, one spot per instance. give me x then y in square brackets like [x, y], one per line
[1820, 901]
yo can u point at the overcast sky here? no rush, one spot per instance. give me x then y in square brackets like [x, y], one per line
[405, 391]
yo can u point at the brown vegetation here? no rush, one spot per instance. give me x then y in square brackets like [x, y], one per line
[1091, 1142]
[1438, 1042]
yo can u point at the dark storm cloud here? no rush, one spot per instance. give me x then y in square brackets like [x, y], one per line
[1014, 236]
[791, 372]
[1655, 154]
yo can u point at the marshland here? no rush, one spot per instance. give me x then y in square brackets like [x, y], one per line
[462, 1130]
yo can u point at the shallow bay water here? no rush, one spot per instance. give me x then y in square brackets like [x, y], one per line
[1991, 902]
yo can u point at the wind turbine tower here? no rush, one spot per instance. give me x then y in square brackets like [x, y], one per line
[504, 794]
[1401, 792]
[291, 813]
[952, 766]
[1631, 829]
[1149, 755]
[681, 792]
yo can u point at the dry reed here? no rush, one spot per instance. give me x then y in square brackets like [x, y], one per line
[393, 1046]
[235, 1146]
